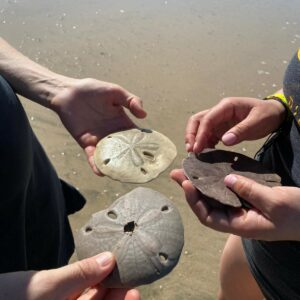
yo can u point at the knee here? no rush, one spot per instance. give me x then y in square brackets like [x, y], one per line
[221, 295]
[227, 291]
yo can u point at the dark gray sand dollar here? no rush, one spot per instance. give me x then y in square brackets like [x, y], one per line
[208, 169]
[135, 155]
[144, 231]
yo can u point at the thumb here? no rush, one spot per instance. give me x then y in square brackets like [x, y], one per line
[256, 194]
[72, 280]
[131, 102]
[245, 130]
[135, 105]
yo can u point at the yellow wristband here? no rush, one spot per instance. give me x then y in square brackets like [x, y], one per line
[281, 98]
[278, 96]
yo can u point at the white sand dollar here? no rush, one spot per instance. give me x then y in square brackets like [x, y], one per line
[135, 155]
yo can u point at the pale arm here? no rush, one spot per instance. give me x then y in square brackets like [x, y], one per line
[90, 109]
[28, 78]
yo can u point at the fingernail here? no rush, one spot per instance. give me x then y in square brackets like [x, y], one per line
[229, 138]
[187, 146]
[104, 259]
[195, 146]
[230, 180]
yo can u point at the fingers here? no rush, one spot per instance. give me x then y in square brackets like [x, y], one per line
[218, 115]
[131, 102]
[71, 280]
[97, 292]
[122, 294]
[197, 204]
[252, 223]
[244, 130]
[178, 176]
[192, 129]
[100, 293]
[237, 221]
[232, 120]
[190, 132]
[258, 195]
[193, 197]
[136, 106]
[231, 220]
[90, 150]
[133, 295]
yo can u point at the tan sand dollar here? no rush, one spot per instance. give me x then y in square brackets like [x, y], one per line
[135, 155]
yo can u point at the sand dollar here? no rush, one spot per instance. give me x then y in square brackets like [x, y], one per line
[144, 231]
[135, 155]
[208, 169]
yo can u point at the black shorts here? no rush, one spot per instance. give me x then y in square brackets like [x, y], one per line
[34, 203]
[276, 265]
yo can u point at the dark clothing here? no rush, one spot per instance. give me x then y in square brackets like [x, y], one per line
[34, 229]
[276, 265]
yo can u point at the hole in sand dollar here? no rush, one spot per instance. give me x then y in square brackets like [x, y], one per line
[165, 208]
[109, 137]
[148, 155]
[144, 171]
[146, 130]
[195, 177]
[88, 229]
[106, 161]
[163, 257]
[129, 227]
[112, 214]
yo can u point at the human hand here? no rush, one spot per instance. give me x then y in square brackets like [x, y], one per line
[80, 280]
[231, 121]
[91, 109]
[275, 212]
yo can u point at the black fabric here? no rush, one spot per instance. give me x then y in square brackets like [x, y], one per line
[276, 265]
[34, 228]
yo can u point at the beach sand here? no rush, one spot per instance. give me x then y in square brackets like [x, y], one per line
[180, 57]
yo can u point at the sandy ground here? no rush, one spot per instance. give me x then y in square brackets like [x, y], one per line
[180, 57]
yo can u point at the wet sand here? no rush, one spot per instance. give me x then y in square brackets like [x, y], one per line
[180, 57]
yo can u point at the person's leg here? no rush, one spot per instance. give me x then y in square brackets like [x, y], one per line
[34, 232]
[236, 280]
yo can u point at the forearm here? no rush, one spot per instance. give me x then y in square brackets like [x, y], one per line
[28, 78]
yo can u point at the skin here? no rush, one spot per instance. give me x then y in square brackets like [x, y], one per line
[90, 109]
[80, 280]
[232, 121]
[234, 262]
[276, 210]
[274, 216]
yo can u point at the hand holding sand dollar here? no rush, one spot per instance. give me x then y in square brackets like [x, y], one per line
[208, 169]
[144, 231]
[135, 155]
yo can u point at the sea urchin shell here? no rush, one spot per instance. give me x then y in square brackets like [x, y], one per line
[135, 155]
[208, 169]
[144, 231]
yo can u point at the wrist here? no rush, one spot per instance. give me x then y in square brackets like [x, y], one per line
[282, 104]
[280, 110]
[30, 79]
[51, 87]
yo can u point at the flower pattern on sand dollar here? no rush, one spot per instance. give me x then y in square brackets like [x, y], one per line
[136, 149]
[135, 155]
